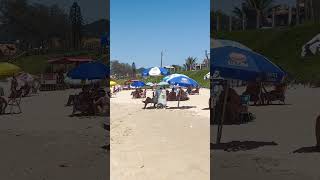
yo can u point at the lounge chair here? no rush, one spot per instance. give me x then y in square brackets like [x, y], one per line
[15, 101]
[195, 92]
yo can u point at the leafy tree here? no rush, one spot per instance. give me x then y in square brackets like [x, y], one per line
[134, 70]
[120, 69]
[76, 25]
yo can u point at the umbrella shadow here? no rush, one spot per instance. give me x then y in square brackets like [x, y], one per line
[182, 107]
[311, 149]
[235, 146]
[9, 114]
[84, 116]
[258, 105]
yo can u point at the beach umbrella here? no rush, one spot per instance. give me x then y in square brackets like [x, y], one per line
[165, 79]
[26, 77]
[8, 69]
[150, 84]
[137, 84]
[182, 81]
[217, 43]
[155, 71]
[90, 71]
[112, 83]
[236, 63]
[240, 64]
[163, 83]
[79, 82]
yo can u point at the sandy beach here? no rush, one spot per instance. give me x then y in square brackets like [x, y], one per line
[160, 144]
[275, 134]
[44, 143]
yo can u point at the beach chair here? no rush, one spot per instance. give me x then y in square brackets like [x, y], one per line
[244, 113]
[15, 102]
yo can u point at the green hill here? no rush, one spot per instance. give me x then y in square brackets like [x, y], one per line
[282, 46]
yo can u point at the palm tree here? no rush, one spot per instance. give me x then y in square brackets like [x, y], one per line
[241, 13]
[260, 6]
[190, 61]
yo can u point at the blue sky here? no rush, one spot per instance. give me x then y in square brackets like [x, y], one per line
[228, 5]
[140, 29]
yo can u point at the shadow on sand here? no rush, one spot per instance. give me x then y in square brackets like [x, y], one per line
[235, 146]
[182, 107]
[312, 149]
[89, 116]
[258, 105]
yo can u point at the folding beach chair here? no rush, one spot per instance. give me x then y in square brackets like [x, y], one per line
[244, 113]
[15, 102]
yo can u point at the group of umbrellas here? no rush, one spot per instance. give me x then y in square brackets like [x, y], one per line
[173, 79]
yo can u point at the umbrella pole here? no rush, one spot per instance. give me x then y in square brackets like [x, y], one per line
[219, 135]
[179, 99]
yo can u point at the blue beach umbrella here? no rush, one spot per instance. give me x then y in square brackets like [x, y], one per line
[149, 84]
[163, 84]
[241, 64]
[90, 71]
[165, 79]
[155, 71]
[137, 84]
[183, 81]
[217, 43]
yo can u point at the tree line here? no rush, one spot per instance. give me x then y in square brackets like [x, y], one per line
[35, 24]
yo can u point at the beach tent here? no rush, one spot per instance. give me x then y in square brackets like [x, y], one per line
[312, 47]
[90, 71]
[8, 69]
[155, 71]
[240, 64]
[137, 84]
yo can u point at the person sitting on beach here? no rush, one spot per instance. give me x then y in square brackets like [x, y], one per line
[182, 96]
[172, 95]
[189, 90]
[101, 103]
[144, 93]
[196, 91]
[3, 105]
[253, 90]
[84, 102]
[233, 107]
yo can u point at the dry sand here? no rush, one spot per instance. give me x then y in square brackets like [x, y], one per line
[44, 143]
[290, 126]
[160, 144]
